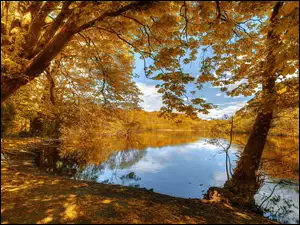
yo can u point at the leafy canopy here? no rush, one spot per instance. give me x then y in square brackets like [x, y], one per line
[86, 49]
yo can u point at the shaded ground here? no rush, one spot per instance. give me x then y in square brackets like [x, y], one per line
[28, 195]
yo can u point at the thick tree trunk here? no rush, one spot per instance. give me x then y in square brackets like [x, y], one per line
[244, 181]
[10, 85]
[39, 63]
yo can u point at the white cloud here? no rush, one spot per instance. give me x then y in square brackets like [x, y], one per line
[153, 102]
[239, 96]
[219, 94]
[219, 113]
[236, 84]
[230, 103]
[152, 99]
[188, 98]
[226, 73]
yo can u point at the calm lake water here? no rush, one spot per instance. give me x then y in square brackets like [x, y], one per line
[184, 165]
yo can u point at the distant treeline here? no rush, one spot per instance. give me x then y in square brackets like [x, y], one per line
[126, 122]
[285, 124]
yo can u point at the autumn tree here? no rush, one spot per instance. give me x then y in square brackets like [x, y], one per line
[255, 45]
[272, 61]
[252, 44]
[34, 33]
[80, 72]
[37, 33]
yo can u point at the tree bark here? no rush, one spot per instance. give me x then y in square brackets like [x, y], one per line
[244, 181]
[39, 63]
[10, 84]
[35, 28]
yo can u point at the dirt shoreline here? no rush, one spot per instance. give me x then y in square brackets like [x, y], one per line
[29, 195]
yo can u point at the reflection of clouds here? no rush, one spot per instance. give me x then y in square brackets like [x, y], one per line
[202, 145]
[178, 170]
[285, 192]
[161, 152]
[149, 166]
[220, 164]
[196, 156]
[192, 159]
[219, 178]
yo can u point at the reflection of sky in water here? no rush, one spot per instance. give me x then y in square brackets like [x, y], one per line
[173, 170]
[286, 193]
[186, 170]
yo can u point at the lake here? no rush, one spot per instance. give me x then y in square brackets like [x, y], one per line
[183, 164]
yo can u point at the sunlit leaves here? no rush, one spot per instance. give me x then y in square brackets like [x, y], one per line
[98, 60]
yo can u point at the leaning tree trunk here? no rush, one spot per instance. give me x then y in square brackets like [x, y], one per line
[244, 182]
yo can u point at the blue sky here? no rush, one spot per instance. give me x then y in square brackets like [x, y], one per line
[153, 102]
[226, 105]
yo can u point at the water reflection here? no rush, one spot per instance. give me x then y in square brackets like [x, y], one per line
[172, 170]
[279, 200]
[179, 164]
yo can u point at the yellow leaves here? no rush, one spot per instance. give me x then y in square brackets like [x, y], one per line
[247, 93]
[280, 29]
[205, 77]
[282, 90]
[294, 31]
[107, 201]
[47, 219]
[26, 18]
[280, 58]
[15, 30]
[17, 14]
[289, 6]
[206, 40]
[288, 70]
[211, 6]
[76, 11]
[11, 65]
[164, 25]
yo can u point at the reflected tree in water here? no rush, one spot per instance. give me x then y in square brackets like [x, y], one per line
[276, 206]
[50, 161]
[223, 144]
